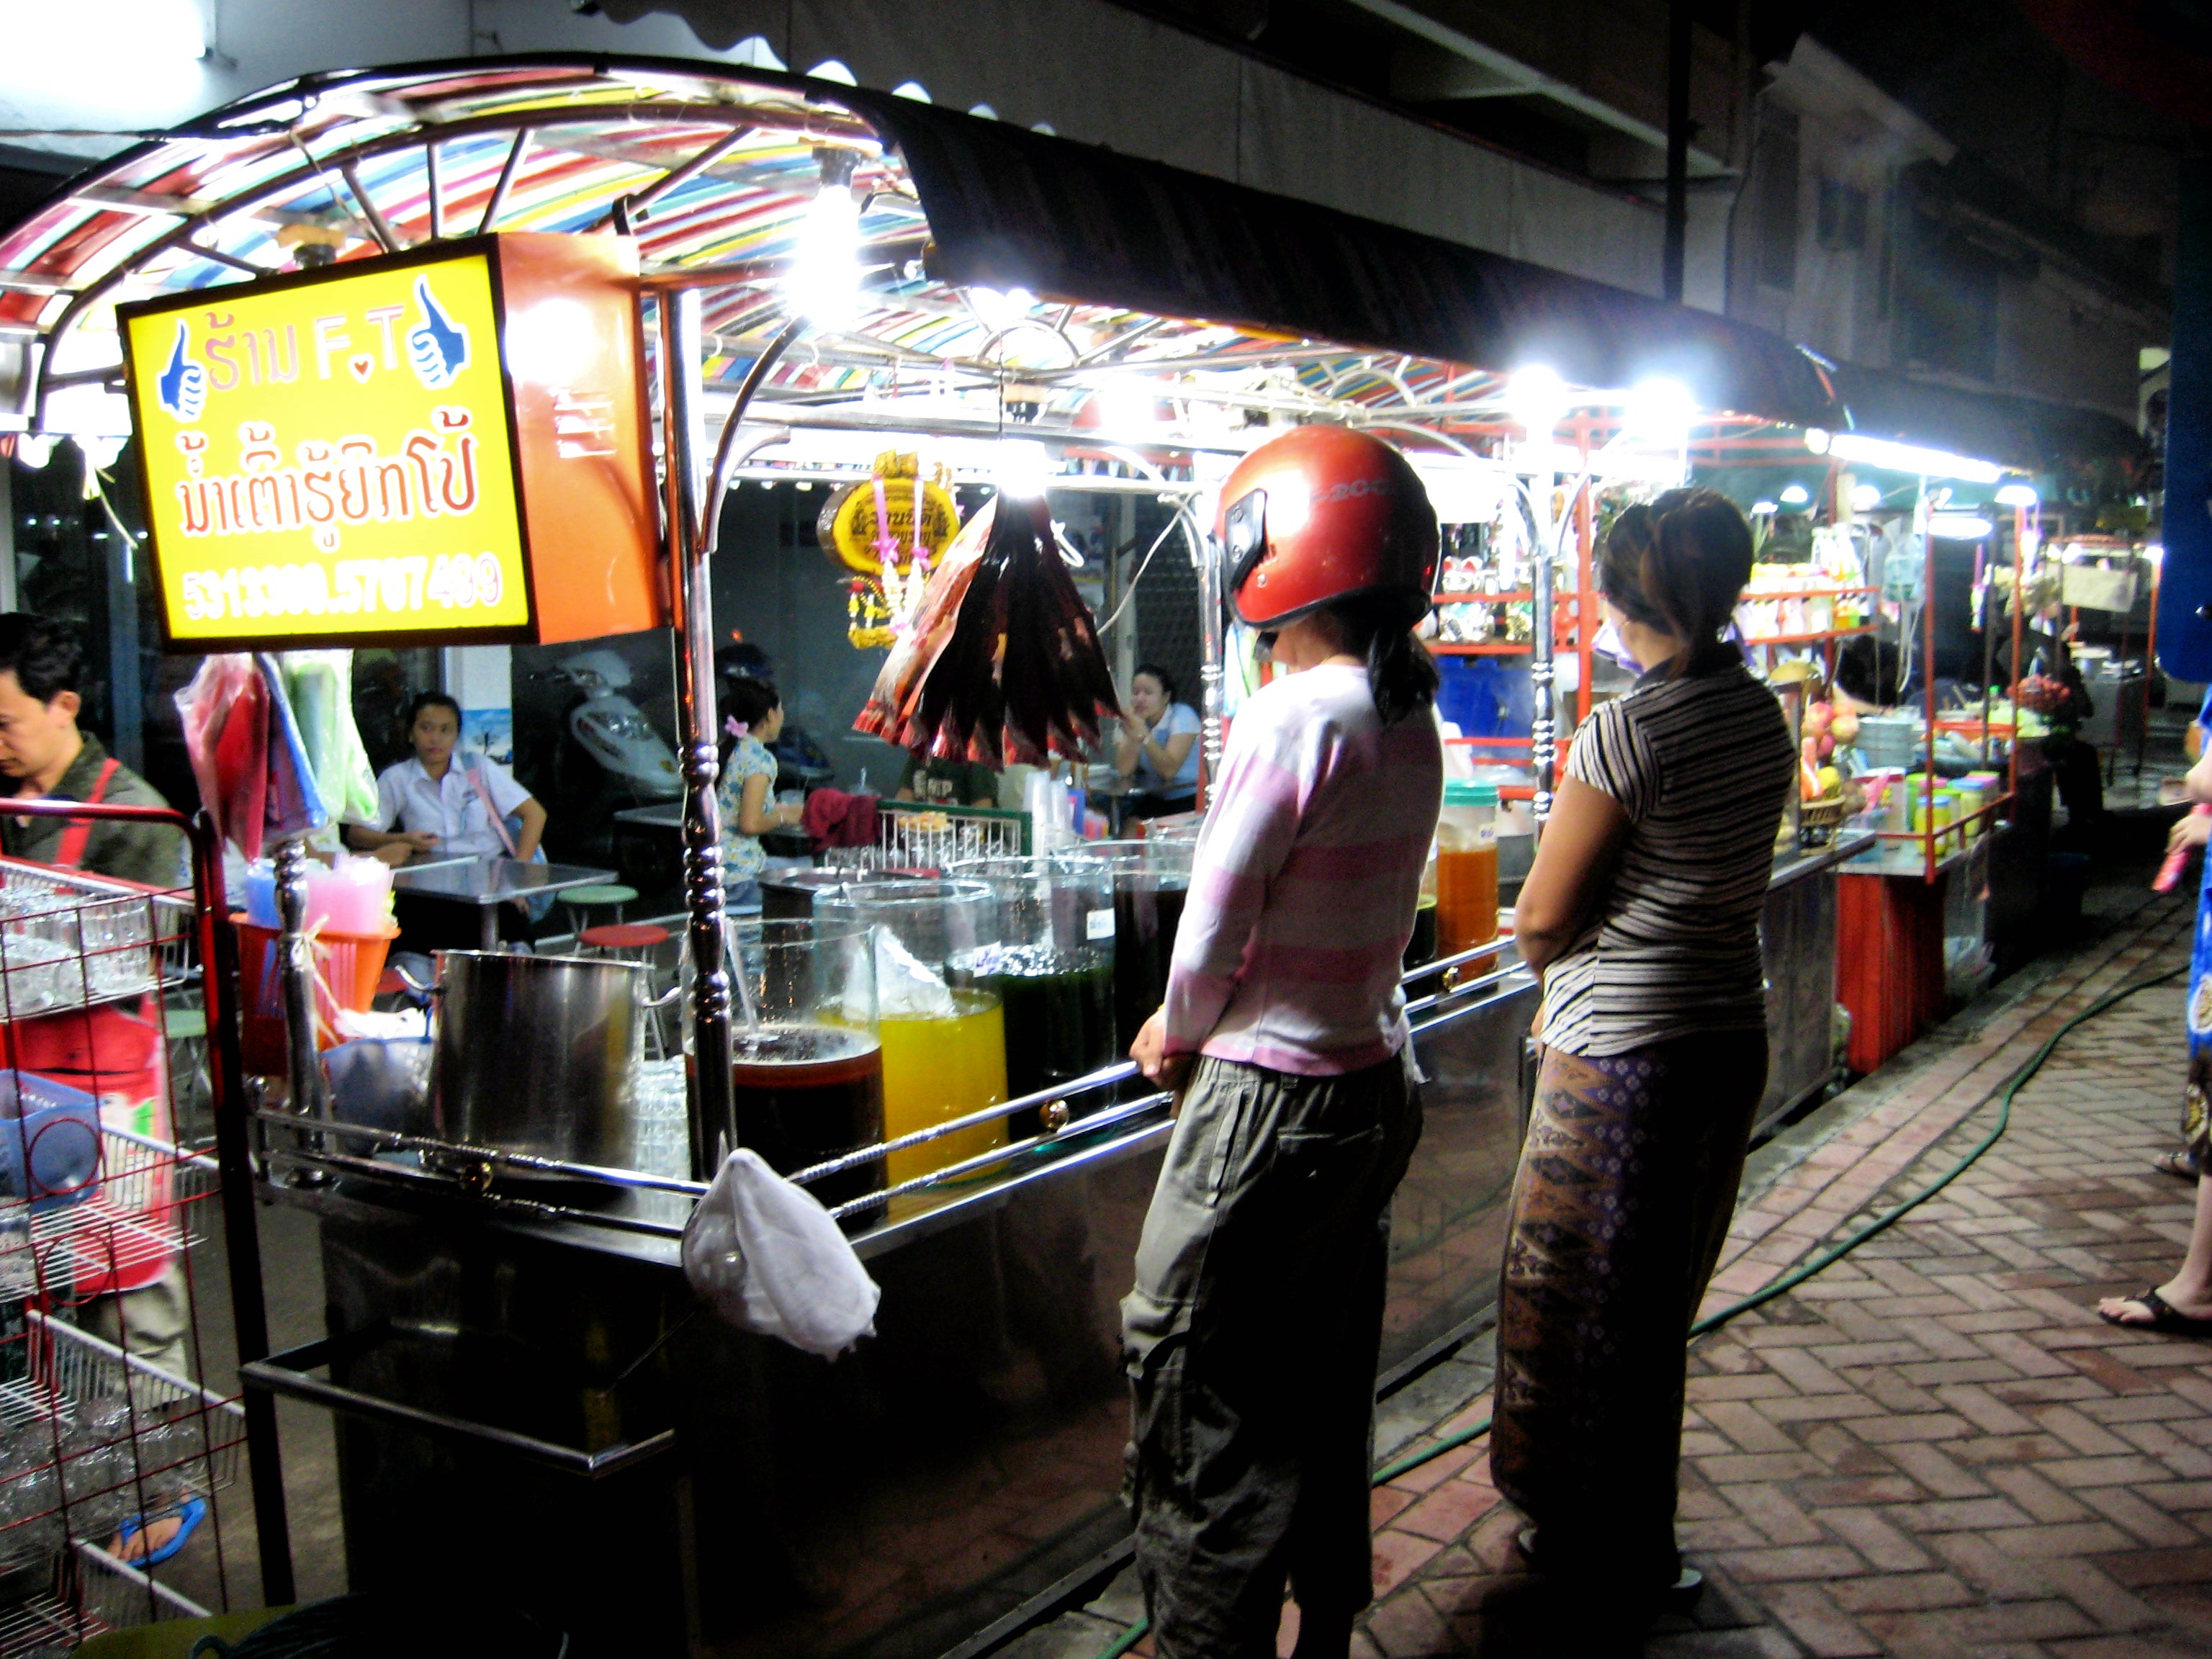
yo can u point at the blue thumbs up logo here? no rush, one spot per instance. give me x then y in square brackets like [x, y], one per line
[438, 345]
[182, 387]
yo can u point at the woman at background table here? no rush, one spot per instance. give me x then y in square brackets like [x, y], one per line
[1157, 748]
[753, 715]
[1642, 914]
[437, 804]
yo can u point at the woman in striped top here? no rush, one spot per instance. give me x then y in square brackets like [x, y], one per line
[1642, 914]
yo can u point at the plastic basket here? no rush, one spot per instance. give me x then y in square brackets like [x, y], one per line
[347, 968]
[50, 1142]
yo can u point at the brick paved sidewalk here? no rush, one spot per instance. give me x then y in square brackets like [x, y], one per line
[1934, 1448]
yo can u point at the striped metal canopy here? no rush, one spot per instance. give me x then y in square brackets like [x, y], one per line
[1004, 268]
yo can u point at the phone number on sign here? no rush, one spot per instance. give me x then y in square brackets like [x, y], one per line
[350, 587]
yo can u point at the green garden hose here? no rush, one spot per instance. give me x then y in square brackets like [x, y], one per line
[1804, 1270]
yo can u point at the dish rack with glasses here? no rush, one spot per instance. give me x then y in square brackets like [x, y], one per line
[104, 1432]
[922, 836]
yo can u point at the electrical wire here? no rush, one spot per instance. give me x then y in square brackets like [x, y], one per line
[1806, 1269]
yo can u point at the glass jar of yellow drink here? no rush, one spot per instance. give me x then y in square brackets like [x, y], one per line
[944, 1053]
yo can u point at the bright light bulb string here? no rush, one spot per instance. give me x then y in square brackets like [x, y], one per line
[1806, 1269]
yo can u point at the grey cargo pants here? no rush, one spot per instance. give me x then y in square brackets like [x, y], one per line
[1251, 1340]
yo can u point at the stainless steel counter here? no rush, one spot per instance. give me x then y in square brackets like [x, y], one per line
[1797, 936]
[497, 1360]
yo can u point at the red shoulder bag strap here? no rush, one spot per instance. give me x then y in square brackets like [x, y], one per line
[78, 835]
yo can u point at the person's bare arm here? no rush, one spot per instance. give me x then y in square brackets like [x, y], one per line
[755, 816]
[533, 827]
[2199, 780]
[363, 839]
[1573, 866]
[1167, 757]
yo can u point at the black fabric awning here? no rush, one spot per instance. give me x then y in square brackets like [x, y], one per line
[1009, 208]
[2021, 432]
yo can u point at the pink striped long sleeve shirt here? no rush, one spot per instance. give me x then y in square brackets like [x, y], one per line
[1306, 876]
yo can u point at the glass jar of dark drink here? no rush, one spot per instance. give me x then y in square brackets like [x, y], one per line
[807, 1064]
[1151, 880]
[1052, 969]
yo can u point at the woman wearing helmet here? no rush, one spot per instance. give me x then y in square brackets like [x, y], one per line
[1642, 913]
[1252, 1334]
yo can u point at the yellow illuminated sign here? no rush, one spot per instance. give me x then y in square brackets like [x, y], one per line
[332, 456]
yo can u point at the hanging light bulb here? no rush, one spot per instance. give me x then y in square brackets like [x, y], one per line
[1796, 494]
[1536, 398]
[823, 282]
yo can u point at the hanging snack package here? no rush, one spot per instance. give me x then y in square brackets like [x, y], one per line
[1002, 663]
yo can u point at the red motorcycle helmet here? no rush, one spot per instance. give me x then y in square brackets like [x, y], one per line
[1320, 513]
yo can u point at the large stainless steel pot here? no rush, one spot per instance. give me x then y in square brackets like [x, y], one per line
[536, 1054]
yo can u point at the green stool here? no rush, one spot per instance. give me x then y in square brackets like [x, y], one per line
[583, 901]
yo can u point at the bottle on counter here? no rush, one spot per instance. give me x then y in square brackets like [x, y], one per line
[1467, 870]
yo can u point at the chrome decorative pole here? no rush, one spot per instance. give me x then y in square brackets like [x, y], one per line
[713, 1105]
[1212, 651]
[1543, 708]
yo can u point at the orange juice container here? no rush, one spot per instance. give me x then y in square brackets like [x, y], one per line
[1466, 871]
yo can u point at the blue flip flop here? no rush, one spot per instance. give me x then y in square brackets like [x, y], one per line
[191, 1512]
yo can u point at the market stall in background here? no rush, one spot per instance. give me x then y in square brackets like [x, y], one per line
[861, 341]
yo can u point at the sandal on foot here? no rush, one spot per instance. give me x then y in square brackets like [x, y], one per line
[189, 1514]
[2182, 1165]
[2164, 1318]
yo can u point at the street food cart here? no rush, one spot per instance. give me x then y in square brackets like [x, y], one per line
[817, 282]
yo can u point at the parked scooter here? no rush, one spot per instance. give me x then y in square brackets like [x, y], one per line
[610, 757]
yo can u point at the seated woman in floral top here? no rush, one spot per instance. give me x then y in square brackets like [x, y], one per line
[753, 715]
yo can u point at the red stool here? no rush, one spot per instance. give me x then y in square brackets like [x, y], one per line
[631, 941]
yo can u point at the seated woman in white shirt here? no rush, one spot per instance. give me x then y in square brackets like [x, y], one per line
[1157, 748]
[433, 803]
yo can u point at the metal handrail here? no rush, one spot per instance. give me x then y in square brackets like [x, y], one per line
[1455, 1000]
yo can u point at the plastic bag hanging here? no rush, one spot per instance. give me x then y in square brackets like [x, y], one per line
[294, 801]
[226, 719]
[318, 683]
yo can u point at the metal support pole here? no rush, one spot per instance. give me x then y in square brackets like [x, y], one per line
[714, 1112]
[1543, 725]
[1673, 250]
[249, 1311]
[1928, 679]
[311, 1095]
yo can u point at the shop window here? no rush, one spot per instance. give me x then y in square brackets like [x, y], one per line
[1947, 304]
[1842, 226]
[1778, 167]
